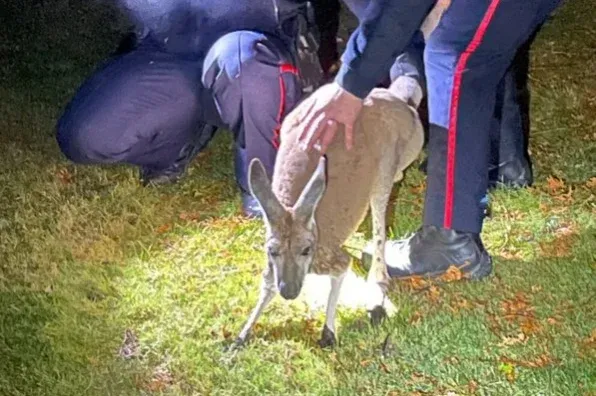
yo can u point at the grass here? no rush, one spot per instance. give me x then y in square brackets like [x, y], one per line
[87, 254]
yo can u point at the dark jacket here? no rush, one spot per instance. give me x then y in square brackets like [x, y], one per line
[192, 26]
[385, 29]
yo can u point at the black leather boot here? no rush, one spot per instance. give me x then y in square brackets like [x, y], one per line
[171, 174]
[431, 251]
[515, 172]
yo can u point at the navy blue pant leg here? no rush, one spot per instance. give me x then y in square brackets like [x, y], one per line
[511, 131]
[255, 84]
[465, 59]
[140, 108]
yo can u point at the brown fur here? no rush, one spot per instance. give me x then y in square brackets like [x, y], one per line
[387, 126]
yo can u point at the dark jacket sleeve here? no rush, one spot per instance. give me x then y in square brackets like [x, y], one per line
[386, 27]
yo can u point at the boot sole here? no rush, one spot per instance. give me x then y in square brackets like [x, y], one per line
[481, 270]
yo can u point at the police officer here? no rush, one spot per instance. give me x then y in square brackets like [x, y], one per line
[465, 58]
[510, 163]
[190, 68]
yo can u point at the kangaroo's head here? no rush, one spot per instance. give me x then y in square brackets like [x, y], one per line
[291, 235]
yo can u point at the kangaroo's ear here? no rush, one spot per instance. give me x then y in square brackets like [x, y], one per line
[306, 205]
[260, 188]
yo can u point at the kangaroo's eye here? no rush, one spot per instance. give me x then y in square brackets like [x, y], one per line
[305, 251]
[273, 252]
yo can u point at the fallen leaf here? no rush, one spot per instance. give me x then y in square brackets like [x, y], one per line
[565, 229]
[540, 361]
[511, 253]
[419, 189]
[591, 184]
[459, 303]
[452, 274]
[559, 247]
[190, 216]
[384, 368]
[418, 377]
[536, 288]
[416, 317]
[160, 380]
[365, 363]
[472, 386]
[554, 184]
[417, 283]
[517, 306]
[434, 293]
[530, 326]
[565, 198]
[591, 340]
[453, 360]
[518, 339]
[163, 228]
[64, 176]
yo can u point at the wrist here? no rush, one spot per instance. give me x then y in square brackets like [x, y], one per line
[356, 84]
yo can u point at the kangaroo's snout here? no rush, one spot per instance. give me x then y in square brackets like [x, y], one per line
[289, 290]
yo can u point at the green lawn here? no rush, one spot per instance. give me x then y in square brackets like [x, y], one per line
[87, 254]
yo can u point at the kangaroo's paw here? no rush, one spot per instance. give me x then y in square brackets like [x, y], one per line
[327, 338]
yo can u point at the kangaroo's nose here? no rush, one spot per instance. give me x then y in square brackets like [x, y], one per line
[289, 291]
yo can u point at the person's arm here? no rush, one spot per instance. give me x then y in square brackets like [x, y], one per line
[385, 29]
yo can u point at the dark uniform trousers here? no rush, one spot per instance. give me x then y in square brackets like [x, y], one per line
[145, 106]
[467, 59]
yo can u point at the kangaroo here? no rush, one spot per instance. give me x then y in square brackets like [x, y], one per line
[314, 203]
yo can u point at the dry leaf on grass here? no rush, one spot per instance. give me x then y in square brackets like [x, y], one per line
[518, 339]
[365, 363]
[554, 184]
[419, 189]
[511, 253]
[459, 303]
[64, 176]
[472, 386]
[530, 326]
[452, 274]
[590, 341]
[434, 293]
[559, 247]
[515, 307]
[566, 198]
[416, 317]
[163, 228]
[591, 184]
[189, 216]
[417, 283]
[384, 368]
[540, 361]
[160, 380]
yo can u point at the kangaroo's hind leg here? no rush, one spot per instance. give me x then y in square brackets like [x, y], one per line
[337, 268]
[378, 277]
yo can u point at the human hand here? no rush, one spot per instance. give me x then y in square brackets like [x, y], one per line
[329, 106]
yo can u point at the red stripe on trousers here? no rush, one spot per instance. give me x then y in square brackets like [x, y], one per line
[283, 68]
[452, 131]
